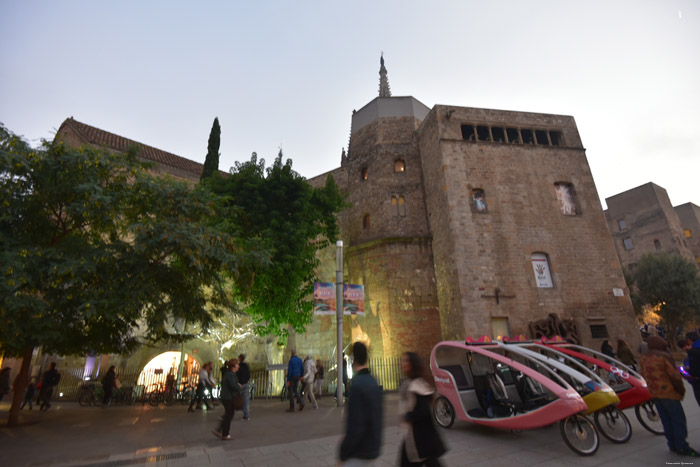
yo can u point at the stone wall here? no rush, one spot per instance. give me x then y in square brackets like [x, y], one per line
[478, 252]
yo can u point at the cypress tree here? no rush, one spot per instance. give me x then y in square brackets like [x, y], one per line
[211, 163]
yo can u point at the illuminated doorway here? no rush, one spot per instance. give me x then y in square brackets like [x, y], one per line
[162, 370]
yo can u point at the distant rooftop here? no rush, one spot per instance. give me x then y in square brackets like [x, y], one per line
[99, 137]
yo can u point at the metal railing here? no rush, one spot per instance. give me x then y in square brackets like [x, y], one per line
[387, 371]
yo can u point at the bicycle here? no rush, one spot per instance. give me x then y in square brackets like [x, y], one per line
[168, 396]
[90, 394]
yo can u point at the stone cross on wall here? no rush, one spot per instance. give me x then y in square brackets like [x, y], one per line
[497, 295]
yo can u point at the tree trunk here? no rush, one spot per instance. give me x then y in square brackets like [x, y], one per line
[22, 381]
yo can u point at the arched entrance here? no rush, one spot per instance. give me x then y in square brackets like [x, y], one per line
[162, 371]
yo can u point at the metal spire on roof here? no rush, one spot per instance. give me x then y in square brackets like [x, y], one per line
[384, 90]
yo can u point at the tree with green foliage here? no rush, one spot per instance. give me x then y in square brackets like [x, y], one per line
[672, 283]
[97, 255]
[211, 163]
[282, 213]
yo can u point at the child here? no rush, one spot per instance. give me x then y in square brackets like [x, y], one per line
[29, 395]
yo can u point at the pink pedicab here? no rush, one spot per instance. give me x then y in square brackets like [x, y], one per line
[629, 385]
[478, 383]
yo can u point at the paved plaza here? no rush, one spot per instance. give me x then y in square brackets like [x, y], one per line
[70, 435]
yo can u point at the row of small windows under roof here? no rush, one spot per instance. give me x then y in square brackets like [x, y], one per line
[511, 135]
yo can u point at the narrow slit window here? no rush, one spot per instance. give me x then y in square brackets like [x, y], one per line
[513, 135]
[398, 205]
[657, 244]
[468, 133]
[566, 196]
[528, 136]
[364, 175]
[499, 134]
[628, 243]
[483, 133]
[479, 197]
[399, 165]
[365, 221]
[542, 137]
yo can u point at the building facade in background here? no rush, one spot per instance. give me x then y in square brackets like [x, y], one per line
[643, 221]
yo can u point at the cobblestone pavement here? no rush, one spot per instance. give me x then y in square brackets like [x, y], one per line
[70, 435]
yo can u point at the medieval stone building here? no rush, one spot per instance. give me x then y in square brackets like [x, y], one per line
[462, 222]
[643, 221]
[469, 222]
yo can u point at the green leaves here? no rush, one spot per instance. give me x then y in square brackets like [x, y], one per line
[671, 282]
[276, 210]
[98, 255]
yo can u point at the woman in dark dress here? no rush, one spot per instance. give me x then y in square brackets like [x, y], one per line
[422, 444]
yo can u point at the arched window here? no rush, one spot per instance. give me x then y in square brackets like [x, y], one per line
[566, 195]
[540, 266]
[365, 221]
[399, 165]
[364, 174]
[479, 197]
[398, 205]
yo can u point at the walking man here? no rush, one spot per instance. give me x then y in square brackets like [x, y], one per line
[244, 380]
[363, 432]
[48, 381]
[295, 370]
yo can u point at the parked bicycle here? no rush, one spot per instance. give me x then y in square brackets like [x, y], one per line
[93, 394]
[169, 396]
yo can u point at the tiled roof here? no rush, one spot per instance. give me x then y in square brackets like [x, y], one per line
[99, 137]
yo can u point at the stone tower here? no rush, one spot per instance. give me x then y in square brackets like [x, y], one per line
[465, 222]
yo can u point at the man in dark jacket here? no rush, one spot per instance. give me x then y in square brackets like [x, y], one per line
[48, 381]
[295, 370]
[363, 431]
[243, 374]
[694, 363]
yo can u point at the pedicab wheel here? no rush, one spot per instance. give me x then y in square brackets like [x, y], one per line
[648, 416]
[444, 412]
[154, 399]
[613, 424]
[580, 435]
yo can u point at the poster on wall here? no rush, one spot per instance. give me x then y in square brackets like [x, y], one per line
[324, 298]
[540, 266]
[354, 299]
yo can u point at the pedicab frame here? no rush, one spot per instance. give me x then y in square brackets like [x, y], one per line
[563, 403]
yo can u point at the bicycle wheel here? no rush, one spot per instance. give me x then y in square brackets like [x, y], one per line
[85, 398]
[580, 435]
[283, 394]
[649, 418]
[443, 412]
[613, 424]
[154, 398]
